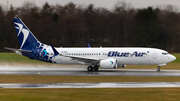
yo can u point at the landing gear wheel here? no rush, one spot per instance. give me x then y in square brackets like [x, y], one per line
[96, 68]
[90, 68]
[158, 69]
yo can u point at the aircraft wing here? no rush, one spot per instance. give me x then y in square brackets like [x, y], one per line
[84, 60]
[20, 50]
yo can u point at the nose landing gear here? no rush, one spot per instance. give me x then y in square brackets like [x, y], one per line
[158, 69]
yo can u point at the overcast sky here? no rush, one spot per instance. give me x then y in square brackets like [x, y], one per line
[98, 3]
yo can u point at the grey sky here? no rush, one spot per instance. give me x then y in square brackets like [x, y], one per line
[98, 3]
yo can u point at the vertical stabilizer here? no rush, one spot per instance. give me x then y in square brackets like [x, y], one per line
[27, 40]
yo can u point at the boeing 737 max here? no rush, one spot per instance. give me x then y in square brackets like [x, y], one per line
[105, 58]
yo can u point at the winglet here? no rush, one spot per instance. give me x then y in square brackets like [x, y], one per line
[88, 45]
[55, 51]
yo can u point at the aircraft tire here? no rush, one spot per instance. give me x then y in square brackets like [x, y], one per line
[96, 68]
[158, 69]
[90, 68]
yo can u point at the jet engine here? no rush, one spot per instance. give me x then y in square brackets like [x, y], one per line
[108, 64]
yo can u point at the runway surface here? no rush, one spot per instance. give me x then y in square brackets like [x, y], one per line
[75, 70]
[95, 85]
[101, 72]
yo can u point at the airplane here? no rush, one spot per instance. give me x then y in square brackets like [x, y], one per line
[105, 58]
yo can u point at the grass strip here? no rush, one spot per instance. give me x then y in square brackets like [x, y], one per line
[13, 57]
[101, 94]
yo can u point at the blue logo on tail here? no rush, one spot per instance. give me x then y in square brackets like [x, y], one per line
[27, 40]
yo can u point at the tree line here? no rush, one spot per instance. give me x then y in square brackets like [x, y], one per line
[75, 25]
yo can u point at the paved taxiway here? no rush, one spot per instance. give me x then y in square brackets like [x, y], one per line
[101, 72]
[95, 85]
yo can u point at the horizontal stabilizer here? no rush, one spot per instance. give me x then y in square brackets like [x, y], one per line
[20, 50]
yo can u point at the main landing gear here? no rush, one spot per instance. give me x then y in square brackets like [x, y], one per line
[158, 69]
[91, 68]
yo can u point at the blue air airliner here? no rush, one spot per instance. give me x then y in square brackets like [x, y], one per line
[105, 58]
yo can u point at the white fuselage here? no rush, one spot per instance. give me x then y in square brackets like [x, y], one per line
[124, 56]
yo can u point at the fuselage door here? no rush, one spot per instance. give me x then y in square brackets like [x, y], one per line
[154, 54]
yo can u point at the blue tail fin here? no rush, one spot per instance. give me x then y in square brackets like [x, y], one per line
[27, 40]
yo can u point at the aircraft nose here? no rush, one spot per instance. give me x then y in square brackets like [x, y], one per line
[172, 58]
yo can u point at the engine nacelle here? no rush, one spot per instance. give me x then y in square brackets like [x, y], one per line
[108, 64]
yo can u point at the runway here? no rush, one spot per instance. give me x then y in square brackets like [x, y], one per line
[95, 85]
[79, 71]
[101, 72]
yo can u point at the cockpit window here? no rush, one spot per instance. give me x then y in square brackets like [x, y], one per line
[165, 53]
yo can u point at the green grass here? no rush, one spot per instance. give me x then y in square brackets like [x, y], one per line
[13, 57]
[177, 55]
[103, 94]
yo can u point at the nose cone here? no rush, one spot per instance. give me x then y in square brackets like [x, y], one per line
[172, 58]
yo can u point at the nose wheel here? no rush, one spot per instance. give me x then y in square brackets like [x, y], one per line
[158, 69]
